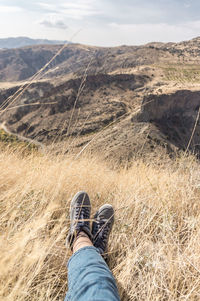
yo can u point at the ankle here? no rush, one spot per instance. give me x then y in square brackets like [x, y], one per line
[82, 240]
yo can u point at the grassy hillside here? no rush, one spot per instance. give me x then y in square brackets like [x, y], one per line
[154, 246]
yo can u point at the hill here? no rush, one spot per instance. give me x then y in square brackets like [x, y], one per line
[21, 64]
[25, 41]
[124, 101]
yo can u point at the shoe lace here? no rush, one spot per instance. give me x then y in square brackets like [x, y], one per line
[103, 229]
[82, 213]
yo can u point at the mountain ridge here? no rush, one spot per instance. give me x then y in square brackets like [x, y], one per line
[18, 42]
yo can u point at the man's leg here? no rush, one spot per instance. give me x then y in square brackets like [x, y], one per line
[89, 278]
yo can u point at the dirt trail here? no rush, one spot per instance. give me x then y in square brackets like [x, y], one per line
[40, 145]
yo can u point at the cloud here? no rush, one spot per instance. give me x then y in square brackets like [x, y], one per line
[10, 9]
[80, 9]
[120, 11]
[104, 22]
[79, 14]
[144, 33]
[60, 24]
[187, 5]
[47, 6]
[77, 9]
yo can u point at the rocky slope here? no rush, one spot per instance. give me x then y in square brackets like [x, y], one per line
[45, 111]
[176, 115]
[22, 63]
[122, 102]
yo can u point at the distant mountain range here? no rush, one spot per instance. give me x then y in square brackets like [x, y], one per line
[25, 41]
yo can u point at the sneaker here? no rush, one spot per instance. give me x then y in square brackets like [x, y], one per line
[79, 216]
[101, 228]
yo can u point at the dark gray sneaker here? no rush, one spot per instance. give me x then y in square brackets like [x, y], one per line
[79, 216]
[101, 228]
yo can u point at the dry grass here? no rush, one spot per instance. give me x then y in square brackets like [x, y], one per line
[155, 249]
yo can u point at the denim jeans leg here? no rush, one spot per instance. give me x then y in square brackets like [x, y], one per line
[89, 278]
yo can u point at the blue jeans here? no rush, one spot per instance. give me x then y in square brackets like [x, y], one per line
[89, 278]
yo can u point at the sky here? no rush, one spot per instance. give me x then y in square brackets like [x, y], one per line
[101, 22]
